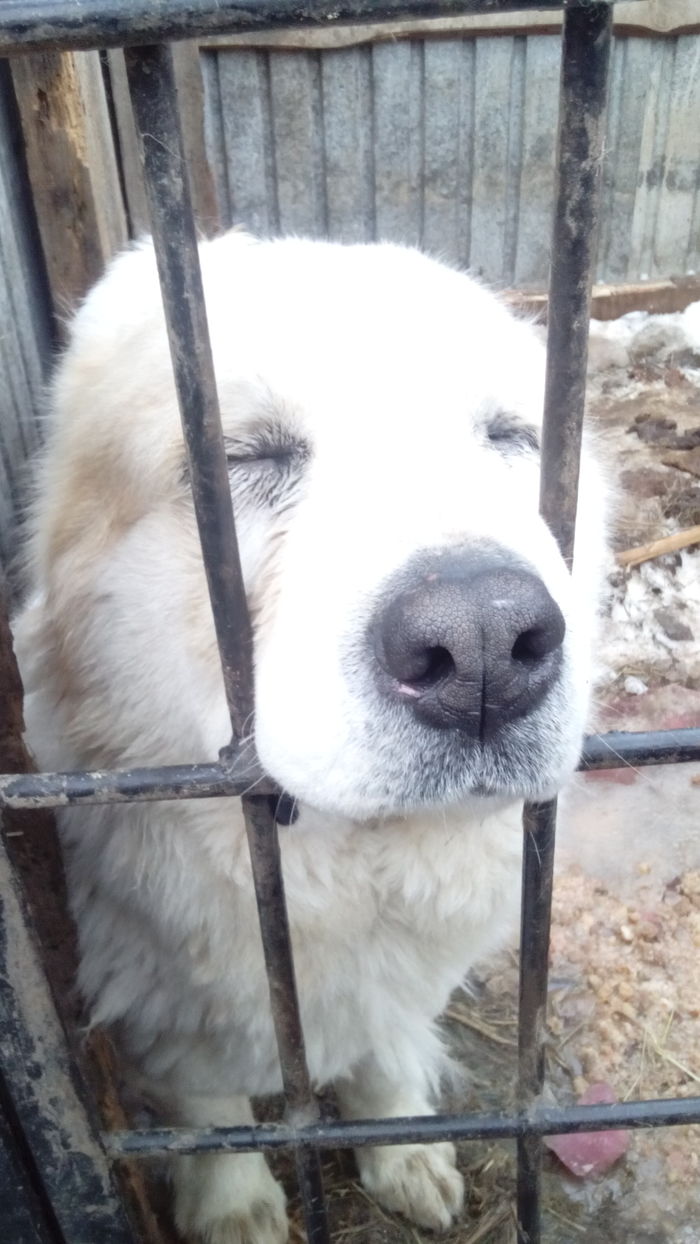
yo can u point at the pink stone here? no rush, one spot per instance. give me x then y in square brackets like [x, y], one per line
[590, 1153]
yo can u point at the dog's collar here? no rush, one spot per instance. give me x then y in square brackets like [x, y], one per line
[284, 808]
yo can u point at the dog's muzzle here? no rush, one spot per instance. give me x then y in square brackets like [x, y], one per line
[469, 640]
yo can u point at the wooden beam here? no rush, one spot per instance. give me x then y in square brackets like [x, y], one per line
[630, 17]
[72, 168]
[611, 301]
[190, 90]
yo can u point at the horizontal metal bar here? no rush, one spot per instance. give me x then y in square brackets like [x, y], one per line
[347, 1134]
[207, 781]
[57, 790]
[37, 25]
[639, 748]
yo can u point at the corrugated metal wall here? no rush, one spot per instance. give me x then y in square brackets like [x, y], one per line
[448, 144]
[25, 338]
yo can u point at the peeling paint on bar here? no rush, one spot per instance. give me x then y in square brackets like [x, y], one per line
[34, 25]
[616, 750]
[585, 65]
[344, 1134]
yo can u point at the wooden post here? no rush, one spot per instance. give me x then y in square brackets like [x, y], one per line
[190, 92]
[72, 168]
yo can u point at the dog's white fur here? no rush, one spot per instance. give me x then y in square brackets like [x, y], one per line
[386, 367]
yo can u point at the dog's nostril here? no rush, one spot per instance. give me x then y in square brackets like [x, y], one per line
[540, 640]
[531, 646]
[435, 664]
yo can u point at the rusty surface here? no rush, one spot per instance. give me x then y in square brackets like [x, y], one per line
[585, 65]
[343, 1133]
[28, 25]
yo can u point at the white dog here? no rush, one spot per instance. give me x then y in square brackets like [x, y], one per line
[421, 666]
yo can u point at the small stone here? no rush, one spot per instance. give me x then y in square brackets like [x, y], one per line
[626, 933]
[671, 625]
[634, 685]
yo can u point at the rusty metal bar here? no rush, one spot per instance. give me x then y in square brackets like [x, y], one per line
[39, 1092]
[616, 750]
[59, 25]
[425, 1129]
[586, 42]
[154, 100]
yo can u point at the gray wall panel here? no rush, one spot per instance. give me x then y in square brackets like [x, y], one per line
[298, 142]
[397, 82]
[346, 87]
[449, 143]
[449, 146]
[681, 171]
[25, 340]
[536, 184]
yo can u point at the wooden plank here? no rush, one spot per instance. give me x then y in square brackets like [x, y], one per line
[611, 301]
[72, 166]
[659, 17]
[26, 338]
[491, 133]
[632, 68]
[247, 130]
[449, 125]
[347, 130]
[297, 129]
[542, 58]
[651, 164]
[26, 316]
[214, 138]
[190, 90]
[397, 76]
[679, 176]
[517, 179]
[190, 94]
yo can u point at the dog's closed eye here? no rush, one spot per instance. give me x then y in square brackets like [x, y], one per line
[508, 433]
[266, 464]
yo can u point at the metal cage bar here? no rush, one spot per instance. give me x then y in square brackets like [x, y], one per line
[154, 99]
[585, 61]
[337, 1134]
[616, 750]
[31, 25]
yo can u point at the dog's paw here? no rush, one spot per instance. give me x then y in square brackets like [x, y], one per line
[229, 1200]
[262, 1223]
[419, 1181]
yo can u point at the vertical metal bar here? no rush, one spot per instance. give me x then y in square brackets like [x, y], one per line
[153, 95]
[154, 99]
[539, 825]
[586, 45]
[302, 1107]
[46, 1132]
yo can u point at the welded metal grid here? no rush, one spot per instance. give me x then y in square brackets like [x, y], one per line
[144, 27]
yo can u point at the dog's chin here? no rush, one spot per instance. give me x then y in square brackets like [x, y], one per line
[399, 768]
[429, 794]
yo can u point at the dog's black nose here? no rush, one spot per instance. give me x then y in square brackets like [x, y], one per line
[474, 644]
